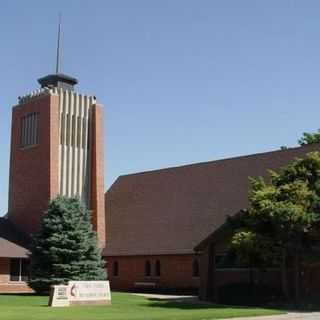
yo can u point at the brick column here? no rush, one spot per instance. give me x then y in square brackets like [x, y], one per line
[97, 177]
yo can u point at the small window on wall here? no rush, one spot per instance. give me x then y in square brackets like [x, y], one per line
[158, 269]
[19, 269]
[229, 260]
[29, 130]
[195, 268]
[115, 269]
[147, 269]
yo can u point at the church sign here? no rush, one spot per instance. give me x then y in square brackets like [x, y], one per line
[89, 292]
[80, 293]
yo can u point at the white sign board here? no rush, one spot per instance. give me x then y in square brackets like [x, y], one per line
[80, 292]
[59, 296]
[89, 292]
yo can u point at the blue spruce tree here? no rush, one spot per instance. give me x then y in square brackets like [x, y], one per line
[66, 247]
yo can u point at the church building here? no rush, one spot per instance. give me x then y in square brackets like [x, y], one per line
[147, 223]
[156, 219]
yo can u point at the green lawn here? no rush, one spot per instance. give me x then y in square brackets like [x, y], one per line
[124, 307]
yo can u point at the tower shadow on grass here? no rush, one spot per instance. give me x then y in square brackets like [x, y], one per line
[188, 304]
[308, 305]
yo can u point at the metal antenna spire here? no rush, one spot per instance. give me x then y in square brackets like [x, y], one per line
[57, 79]
[58, 47]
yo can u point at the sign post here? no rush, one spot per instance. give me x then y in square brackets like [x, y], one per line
[59, 296]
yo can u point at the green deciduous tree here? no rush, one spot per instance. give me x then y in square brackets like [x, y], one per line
[283, 217]
[310, 138]
[66, 247]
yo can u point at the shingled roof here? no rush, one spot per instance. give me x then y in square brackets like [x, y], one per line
[169, 211]
[13, 243]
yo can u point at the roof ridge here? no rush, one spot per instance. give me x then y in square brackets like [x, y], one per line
[217, 160]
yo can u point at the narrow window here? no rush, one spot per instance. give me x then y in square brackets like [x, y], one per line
[115, 269]
[147, 269]
[229, 260]
[220, 260]
[19, 269]
[22, 133]
[36, 129]
[158, 269]
[29, 134]
[25, 270]
[27, 124]
[14, 269]
[195, 268]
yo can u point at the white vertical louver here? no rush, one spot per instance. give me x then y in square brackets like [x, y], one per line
[75, 144]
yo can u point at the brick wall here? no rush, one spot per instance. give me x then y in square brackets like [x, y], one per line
[97, 178]
[34, 170]
[176, 272]
[4, 270]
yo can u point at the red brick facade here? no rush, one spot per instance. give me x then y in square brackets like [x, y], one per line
[97, 181]
[34, 170]
[6, 286]
[4, 270]
[176, 272]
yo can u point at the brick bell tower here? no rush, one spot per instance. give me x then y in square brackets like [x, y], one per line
[56, 149]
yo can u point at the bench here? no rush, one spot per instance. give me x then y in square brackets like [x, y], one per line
[148, 285]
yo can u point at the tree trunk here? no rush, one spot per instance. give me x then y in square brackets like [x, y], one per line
[284, 275]
[297, 278]
[252, 289]
[250, 275]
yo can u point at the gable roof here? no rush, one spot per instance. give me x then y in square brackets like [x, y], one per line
[13, 243]
[170, 211]
[224, 231]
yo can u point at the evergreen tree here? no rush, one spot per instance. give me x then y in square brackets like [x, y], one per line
[66, 247]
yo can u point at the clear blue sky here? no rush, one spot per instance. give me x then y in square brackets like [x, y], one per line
[182, 81]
